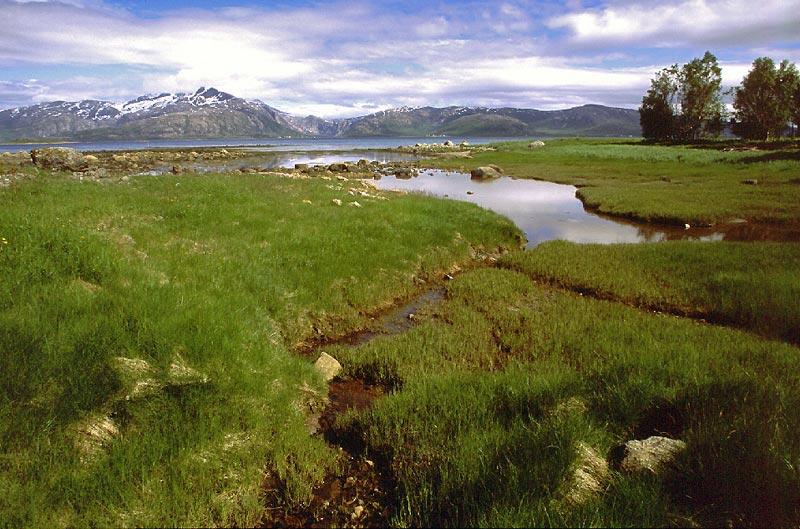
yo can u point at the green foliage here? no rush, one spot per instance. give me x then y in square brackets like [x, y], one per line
[657, 113]
[764, 101]
[684, 103]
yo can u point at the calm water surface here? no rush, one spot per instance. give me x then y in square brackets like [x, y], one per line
[546, 211]
[265, 144]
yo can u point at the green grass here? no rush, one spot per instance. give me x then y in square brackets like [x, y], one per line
[752, 285]
[222, 275]
[499, 386]
[668, 184]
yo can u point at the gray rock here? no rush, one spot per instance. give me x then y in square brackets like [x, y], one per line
[536, 144]
[338, 167]
[484, 173]
[448, 143]
[653, 454]
[59, 159]
[301, 166]
[328, 366]
[403, 173]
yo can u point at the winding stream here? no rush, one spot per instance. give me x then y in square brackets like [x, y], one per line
[546, 211]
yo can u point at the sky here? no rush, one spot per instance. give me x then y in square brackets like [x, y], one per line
[349, 58]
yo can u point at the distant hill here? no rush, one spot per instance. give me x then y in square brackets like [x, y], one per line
[210, 113]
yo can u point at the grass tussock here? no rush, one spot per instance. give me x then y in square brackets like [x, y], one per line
[146, 329]
[496, 448]
[754, 286]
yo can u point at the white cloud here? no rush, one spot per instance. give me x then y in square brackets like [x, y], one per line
[348, 59]
[732, 22]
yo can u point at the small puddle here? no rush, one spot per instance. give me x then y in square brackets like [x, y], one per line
[396, 321]
[546, 211]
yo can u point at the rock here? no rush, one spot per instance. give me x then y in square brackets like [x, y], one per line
[448, 143]
[338, 167]
[355, 204]
[180, 374]
[336, 202]
[363, 163]
[90, 158]
[176, 169]
[464, 143]
[536, 144]
[327, 366]
[357, 512]
[484, 173]
[496, 168]
[750, 182]
[653, 454]
[588, 477]
[470, 193]
[301, 166]
[94, 434]
[59, 159]
[403, 173]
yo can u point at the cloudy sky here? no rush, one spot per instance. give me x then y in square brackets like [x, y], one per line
[349, 58]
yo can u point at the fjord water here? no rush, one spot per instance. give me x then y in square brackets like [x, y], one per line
[546, 211]
[265, 144]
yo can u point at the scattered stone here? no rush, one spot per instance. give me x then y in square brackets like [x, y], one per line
[686, 226]
[588, 477]
[301, 166]
[327, 366]
[484, 173]
[355, 204]
[177, 169]
[470, 193]
[94, 434]
[363, 163]
[180, 374]
[336, 202]
[404, 173]
[307, 201]
[59, 159]
[750, 181]
[653, 454]
[536, 144]
[338, 167]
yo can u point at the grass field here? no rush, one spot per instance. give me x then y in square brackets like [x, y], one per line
[752, 285]
[149, 332]
[146, 328]
[668, 184]
[502, 388]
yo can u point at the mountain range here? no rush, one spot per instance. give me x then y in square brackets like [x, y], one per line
[210, 113]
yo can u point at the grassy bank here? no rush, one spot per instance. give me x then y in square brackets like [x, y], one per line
[507, 391]
[670, 184]
[146, 327]
[752, 285]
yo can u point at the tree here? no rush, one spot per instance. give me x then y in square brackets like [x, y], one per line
[683, 103]
[657, 113]
[764, 101]
[701, 104]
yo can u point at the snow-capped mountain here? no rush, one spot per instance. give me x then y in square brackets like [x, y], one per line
[210, 113]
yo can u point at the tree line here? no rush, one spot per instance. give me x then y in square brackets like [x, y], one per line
[685, 103]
